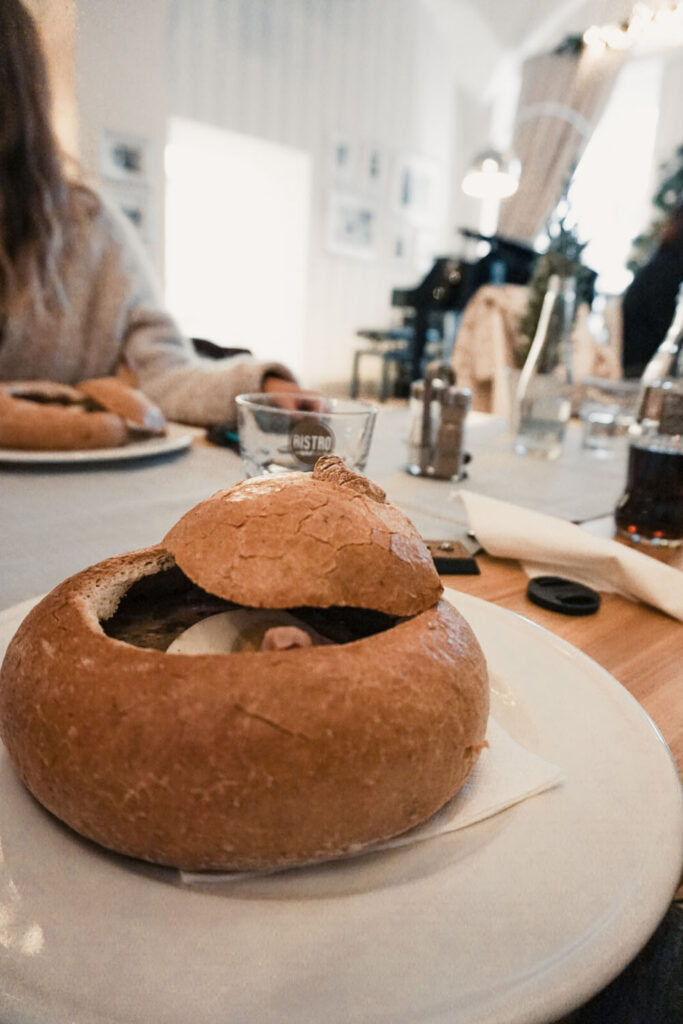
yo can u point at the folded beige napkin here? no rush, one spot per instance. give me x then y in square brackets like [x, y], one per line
[546, 544]
[505, 774]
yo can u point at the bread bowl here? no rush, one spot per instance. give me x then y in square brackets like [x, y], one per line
[100, 413]
[256, 759]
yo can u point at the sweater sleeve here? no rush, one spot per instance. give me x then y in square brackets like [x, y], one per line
[187, 387]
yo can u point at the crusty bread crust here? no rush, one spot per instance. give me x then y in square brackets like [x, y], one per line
[46, 390]
[29, 426]
[243, 761]
[61, 421]
[319, 539]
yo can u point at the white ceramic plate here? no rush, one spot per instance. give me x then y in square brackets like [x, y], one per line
[176, 439]
[517, 919]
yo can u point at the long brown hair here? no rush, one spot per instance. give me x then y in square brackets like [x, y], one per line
[35, 197]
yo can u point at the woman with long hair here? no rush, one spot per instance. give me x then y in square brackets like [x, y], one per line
[77, 297]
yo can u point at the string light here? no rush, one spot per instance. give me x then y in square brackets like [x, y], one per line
[593, 38]
[663, 27]
[616, 37]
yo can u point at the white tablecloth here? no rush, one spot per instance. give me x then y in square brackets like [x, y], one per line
[57, 519]
[577, 486]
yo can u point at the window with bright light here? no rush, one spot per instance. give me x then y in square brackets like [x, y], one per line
[237, 223]
[610, 195]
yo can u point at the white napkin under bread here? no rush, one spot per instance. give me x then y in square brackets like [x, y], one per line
[556, 547]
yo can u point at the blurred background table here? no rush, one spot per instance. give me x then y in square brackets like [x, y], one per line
[577, 486]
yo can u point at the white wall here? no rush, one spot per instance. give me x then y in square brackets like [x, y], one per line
[56, 22]
[374, 72]
[121, 86]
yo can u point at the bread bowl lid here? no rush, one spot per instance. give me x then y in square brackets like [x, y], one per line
[317, 539]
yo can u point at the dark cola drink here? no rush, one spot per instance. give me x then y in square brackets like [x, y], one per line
[651, 507]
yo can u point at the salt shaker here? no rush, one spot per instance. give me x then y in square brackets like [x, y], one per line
[448, 450]
[419, 445]
[438, 409]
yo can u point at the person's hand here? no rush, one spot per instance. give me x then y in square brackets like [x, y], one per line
[292, 396]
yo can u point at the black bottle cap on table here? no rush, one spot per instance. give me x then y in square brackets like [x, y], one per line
[561, 595]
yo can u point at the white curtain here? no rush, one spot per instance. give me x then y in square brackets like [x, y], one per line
[561, 100]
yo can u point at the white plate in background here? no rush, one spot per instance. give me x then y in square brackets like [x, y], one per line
[512, 921]
[176, 438]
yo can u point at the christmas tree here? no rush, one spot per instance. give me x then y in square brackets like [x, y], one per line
[668, 195]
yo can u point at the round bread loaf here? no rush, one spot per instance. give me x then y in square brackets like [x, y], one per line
[48, 416]
[250, 760]
[38, 419]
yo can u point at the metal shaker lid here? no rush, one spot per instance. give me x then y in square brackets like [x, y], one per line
[457, 397]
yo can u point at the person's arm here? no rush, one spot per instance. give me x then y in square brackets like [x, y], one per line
[201, 392]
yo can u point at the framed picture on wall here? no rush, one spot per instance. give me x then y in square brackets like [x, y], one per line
[351, 226]
[124, 157]
[343, 159]
[415, 188]
[372, 171]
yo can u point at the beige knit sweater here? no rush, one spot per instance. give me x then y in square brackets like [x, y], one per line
[113, 317]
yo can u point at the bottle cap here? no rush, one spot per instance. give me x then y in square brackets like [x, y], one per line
[561, 595]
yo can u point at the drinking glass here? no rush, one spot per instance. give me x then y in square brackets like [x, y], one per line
[543, 397]
[281, 433]
[543, 417]
[607, 410]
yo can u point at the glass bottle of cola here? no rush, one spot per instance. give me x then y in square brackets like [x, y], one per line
[650, 511]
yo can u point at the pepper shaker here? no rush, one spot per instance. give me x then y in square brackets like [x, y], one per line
[448, 450]
[437, 409]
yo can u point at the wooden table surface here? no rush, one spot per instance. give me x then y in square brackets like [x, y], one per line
[643, 649]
